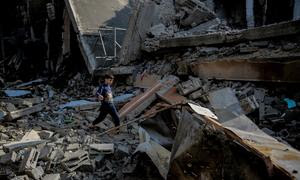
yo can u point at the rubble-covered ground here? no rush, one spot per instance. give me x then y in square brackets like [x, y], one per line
[58, 128]
[46, 109]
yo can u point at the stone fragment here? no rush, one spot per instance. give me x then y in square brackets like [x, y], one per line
[51, 177]
[8, 158]
[35, 173]
[30, 160]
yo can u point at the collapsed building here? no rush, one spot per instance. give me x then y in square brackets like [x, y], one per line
[205, 89]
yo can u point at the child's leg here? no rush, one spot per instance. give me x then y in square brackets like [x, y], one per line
[102, 115]
[115, 115]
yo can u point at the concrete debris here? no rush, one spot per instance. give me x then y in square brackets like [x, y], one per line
[8, 158]
[189, 86]
[23, 177]
[196, 12]
[16, 93]
[18, 145]
[190, 89]
[30, 160]
[51, 177]
[74, 160]
[96, 149]
[35, 173]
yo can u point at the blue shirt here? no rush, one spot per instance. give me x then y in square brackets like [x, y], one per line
[105, 91]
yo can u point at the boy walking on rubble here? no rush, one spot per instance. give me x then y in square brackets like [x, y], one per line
[104, 94]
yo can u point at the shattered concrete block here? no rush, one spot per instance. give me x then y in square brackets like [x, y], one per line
[74, 160]
[31, 135]
[249, 104]
[56, 154]
[8, 158]
[35, 173]
[4, 136]
[46, 134]
[26, 111]
[189, 86]
[101, 149]
[182, 68]
[197, 94]
[98, 160]
[72, 147]
[30, 160]
[45, 152]
[124, 149]
[17, 145]
[23, 177]
[51, 177]
[88, 166]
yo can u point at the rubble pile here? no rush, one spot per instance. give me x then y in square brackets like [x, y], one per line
[176, 123]
[45, 134]
[44, 131]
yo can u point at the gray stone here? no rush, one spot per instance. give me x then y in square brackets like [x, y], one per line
[35, 173]
[51, 177]
[8, 158]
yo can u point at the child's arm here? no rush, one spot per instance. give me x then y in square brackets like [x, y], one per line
[99, 93]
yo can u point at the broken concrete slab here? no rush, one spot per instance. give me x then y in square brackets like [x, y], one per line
[269, 31]
[23, 177]
[157, 153]
[44, 134]
[72, 147]
[35, 173]
[249, 104]
[252, 138]
[196, 12]
[51, 177]
[16, 93]
[87, 26]
[8, 158]
[45, 152]
[74, 160]
[80, 104]
[189, 86]
[23, 101]
[31, 135]
[30, 83]
[26, 111]
[225, 104]
[245, 69]
[97, 149]
[29, 160]
[17, 145]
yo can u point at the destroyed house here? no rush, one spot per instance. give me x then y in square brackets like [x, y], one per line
[204, 89]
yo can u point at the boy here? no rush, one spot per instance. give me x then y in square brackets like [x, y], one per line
[104, 94]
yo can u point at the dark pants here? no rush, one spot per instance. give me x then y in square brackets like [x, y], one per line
[108, 108]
